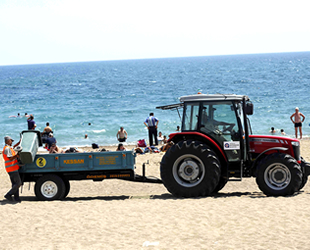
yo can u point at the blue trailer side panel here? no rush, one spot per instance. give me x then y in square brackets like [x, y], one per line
[76, 162]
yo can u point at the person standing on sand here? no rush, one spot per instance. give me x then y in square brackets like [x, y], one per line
[11, 167]
[151, 123]
[297, 121]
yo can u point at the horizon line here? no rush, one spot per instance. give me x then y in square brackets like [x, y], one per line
[150, 58]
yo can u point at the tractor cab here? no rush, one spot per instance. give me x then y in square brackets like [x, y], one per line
[221, 119]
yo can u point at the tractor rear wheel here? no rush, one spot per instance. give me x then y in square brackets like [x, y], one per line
[190, 169]
[279, 175]
[221, 184]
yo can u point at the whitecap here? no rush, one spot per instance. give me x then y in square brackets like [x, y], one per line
[99, 131]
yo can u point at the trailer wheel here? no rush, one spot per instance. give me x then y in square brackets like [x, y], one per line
[67, 185]
[279, 175]
[190, 169]
[50, 187]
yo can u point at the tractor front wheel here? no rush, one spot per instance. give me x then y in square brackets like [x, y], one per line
[279, 175]
[304, 165]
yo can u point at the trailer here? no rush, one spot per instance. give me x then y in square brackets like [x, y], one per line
[52, 173]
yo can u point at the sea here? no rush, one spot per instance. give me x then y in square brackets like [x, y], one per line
[97, 98]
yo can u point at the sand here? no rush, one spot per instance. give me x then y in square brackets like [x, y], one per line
[116, 214]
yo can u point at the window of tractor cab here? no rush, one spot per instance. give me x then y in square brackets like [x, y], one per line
[190, 116]
[219, 121]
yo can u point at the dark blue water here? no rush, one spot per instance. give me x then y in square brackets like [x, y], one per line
[111, 94]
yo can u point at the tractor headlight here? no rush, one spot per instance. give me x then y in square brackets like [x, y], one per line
[295, 143]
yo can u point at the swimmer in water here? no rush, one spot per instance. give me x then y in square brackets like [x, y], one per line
[272, 131]
[14, 116]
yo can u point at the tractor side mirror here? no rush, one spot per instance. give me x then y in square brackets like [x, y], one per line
[249, 108]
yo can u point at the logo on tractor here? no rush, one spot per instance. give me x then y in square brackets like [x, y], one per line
[41, 162]
[231, 145]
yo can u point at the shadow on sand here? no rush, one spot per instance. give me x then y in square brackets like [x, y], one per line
[166, 196]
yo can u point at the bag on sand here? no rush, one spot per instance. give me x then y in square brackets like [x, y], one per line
[141, 143]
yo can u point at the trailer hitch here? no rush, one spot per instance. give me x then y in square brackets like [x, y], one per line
[144, 178]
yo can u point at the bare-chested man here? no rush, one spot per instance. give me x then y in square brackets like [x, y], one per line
[121, 135]
[297, 121]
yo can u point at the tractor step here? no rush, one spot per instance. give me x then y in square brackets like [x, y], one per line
[235, 179]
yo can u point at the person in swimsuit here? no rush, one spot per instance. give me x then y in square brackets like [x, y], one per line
[297, 121]
[121, 135]
[47, 129]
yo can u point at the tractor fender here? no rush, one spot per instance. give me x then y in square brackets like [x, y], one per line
[175, 137]
[264, 152]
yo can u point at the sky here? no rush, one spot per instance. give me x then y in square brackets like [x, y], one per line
[53, 31]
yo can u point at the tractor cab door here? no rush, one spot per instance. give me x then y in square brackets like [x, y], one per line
[220, 121]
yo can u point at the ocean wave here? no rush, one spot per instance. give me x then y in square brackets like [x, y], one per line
[83, 98]
[99, 131]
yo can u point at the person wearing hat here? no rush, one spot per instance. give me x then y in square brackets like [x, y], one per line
[31, 123]
[297, 121]
[50, 140]
[11, 166]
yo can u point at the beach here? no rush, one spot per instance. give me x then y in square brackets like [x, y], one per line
[116, 214]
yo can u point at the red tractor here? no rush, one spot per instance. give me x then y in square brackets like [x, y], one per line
[216, 145]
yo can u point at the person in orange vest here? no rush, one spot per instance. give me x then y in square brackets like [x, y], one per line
[11, 166]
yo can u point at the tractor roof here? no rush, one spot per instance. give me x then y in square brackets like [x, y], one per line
[215, 97]
[204, 97]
